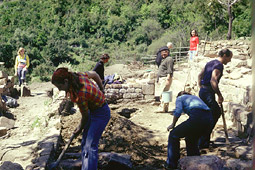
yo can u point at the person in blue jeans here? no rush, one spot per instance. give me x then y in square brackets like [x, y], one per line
[93, 107]
[208, 81]
[198, 123]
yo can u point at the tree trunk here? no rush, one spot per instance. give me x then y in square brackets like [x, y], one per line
[230, 21]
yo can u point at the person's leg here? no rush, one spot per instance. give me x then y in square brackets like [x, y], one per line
[192, 145]
[173, 149]
[99, 120]
[23, 75]
[209, 99]
[19, 70]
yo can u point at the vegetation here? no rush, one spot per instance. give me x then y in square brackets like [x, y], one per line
[79, 31]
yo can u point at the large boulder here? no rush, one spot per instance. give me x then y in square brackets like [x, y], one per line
[210, 162]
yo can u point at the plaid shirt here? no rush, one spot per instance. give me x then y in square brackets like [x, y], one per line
[90, 97]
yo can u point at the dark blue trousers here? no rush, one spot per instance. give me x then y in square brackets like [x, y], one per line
[208, 96]
[92, 133]
[192, 129]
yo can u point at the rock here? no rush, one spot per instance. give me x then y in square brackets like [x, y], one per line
[25, 91]
[114, 161]
[210, 162]
[5, 122]
[238, 164]
[3, 131]
[8, 165]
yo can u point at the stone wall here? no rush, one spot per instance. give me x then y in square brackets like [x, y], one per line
[132, 89]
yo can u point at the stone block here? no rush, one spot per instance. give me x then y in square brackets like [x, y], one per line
[147, 96]
[3, 81]
[7, 123]
[3, 131]
[117, 86]
[123, 90]
[127, 96]
[201, 162]
[137, 85]
[138, 90]
[134, 95]
[11, 78]
[25, 91]
[130, 90]
[3, 75]
[148, 88]
[1, 89]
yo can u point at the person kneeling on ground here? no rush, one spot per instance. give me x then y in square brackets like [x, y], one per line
[199, 122]
[93, 107]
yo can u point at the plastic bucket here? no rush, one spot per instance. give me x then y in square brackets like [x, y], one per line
[167, 96]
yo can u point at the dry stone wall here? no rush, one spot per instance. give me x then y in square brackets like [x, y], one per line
[132, 89]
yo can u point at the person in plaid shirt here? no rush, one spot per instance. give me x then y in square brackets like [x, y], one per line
[93, 107]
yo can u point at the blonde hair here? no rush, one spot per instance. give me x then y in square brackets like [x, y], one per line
[20, 49]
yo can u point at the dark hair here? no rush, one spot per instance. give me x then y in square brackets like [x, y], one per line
[196, 34]
[61, 74]
[225, 51]
[182, 93]
[105, 56]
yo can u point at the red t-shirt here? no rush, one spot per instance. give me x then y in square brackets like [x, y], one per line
[193, 43]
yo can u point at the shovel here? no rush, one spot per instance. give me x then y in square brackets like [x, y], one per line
[224, 124]
[55, 164]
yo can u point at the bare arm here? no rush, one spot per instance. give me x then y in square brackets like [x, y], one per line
[83, 122]
[200, 77]
[173, 124]
[215, 84]
[93, 75]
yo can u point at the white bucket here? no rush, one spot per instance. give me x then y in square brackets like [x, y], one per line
[167, 96]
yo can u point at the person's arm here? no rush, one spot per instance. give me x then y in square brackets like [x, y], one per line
[170, 70]
[175, 119]
[84, 119]
[93, 75]
[215, 84]
[200, 77]
[197, 41]
[16, 66]
[169, 80]
[177, 112]
[27, 63]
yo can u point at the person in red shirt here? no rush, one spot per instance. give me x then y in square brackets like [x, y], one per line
[194, 41]
[92, 105]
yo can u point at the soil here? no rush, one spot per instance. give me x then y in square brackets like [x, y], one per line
[143, 135]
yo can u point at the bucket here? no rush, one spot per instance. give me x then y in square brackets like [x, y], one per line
[167, 96]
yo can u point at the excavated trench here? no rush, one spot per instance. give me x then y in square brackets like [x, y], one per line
[123, 136]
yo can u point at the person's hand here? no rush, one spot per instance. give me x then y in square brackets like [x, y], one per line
[170, 127]
[220, 99]
[78, 130]
[15, 74]
[25, 68]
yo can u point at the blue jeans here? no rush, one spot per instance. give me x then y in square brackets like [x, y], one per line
[208, 96]
[198, 123]
[92, 132]
[191, 55]
[21, 74]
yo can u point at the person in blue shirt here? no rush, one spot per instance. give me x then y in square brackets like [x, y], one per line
[208, 81]
[198, 123]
